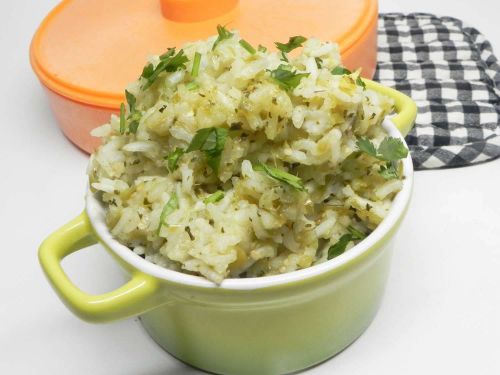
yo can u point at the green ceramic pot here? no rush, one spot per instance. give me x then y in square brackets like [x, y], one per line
[268, 325]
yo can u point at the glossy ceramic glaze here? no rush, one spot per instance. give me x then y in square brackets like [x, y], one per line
[268, 325]
[274, 330]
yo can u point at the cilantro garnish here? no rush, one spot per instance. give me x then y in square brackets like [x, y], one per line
[173, 158]
[130, 101]
[147, 71]
[170, 206]
[355, 233]
[340, 246]
[360, 82]
[365, 145]
[211, 141]
[196, 65]
[223, 35]
[215, 197]
[122, 119]
[168, 63]
[293, 42]
[286, 77]
[134, 118]
[319, 62]
[170, 52]
[247, 46]
[390, 150]
[389, 171]
[177, 62]
[134, 115]
[340, 71]
[261, 48]
[280, 175]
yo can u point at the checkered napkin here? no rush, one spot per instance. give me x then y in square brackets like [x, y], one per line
[450, 71]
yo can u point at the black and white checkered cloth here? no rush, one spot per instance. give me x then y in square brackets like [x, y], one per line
[450, 71]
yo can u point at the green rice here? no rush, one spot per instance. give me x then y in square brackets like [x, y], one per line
[161, 203]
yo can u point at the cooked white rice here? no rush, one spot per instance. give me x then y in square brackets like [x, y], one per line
[261, 226]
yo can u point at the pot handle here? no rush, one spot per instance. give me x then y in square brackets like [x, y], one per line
[137, 296]
[405, 107]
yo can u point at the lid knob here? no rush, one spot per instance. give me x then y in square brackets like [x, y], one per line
[195, 10]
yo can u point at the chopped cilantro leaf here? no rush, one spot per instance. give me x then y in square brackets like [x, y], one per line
[173, 158]
[199, 139]
[170, 206]
[215, 197]
[134, 115]
[261, 48]
[319, 62]
[133, 127]
[170, 52]
[360, 82]
[130, 100]
[196, 65]
[151, 78]
[168, 63]
[392, 149]
[177, 62]
[134, 118]
[280, 175]
[389, 171]
[293, 42]
[223, 35]
[247, 46]
[122, 119]
[340, 71]
[365, 145]
[340, 246]
[356, 234]
[211, 141]
[287, 78]
[284, 57]
[147, 71]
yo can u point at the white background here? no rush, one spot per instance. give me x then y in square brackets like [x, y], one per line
[441, 312]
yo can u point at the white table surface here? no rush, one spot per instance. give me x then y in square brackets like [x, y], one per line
[441, 312]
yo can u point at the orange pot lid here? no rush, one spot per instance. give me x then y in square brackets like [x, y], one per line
[89, 50]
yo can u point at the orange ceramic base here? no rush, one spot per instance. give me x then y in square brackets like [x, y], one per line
[364, 53]
[76, 120]
[85, 84]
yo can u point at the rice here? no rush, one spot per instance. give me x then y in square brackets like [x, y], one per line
[256, 224]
